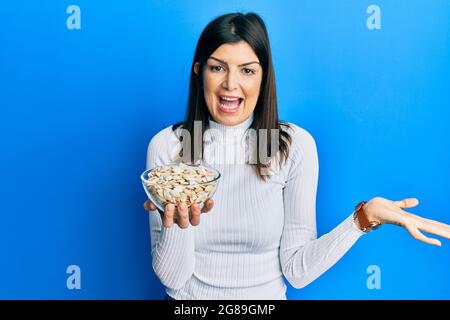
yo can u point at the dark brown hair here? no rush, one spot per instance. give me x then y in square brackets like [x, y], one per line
[232, 28]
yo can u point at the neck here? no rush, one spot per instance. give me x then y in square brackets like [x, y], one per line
[229, 132]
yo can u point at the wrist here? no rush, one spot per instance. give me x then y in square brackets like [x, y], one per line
[367, 209]
[363, 219]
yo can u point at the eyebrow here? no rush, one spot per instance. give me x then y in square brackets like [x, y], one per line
[241, 65]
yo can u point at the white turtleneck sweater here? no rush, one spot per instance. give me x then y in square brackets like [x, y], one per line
[256, 233]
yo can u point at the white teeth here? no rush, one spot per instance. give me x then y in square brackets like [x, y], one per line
[227, 107]
[229, 99]
[223, 106]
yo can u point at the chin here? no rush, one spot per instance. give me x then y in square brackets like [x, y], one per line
[228, 116]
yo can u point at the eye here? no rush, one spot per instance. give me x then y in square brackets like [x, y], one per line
[215, 68]
[248, 71]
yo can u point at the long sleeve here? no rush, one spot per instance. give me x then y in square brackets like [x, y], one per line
[304, 257]
[172, 248]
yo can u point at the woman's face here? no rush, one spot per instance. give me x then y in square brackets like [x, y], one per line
[231, 82]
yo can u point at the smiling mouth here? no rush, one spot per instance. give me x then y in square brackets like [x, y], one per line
[229, 105]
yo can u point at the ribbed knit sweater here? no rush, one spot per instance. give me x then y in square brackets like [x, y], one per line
[258, 233]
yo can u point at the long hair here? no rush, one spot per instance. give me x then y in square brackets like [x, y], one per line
[232, 28]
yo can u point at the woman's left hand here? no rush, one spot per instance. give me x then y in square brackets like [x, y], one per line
[391, 212]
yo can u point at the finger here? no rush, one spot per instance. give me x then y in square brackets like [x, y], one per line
[169, 211]
[407, 203]
[183, 216]
[209, 203]
[437, 223]
[420, 220]
[149, 206]
[195, 214]
[416, 234]
[434, 227]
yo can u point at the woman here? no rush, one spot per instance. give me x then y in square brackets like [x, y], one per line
[262, 224]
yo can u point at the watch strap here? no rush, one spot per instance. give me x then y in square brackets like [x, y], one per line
[365, 224]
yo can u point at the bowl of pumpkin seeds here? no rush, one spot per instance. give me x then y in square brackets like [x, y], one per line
[180, 183]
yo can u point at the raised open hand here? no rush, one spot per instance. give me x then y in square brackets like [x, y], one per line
[392, 212]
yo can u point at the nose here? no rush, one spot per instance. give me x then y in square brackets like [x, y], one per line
[230, 82]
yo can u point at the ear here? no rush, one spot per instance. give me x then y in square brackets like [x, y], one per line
[196, 68]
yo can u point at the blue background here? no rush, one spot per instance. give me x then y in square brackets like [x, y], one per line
[78, 108]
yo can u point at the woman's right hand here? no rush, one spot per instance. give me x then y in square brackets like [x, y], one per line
[181, 215]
